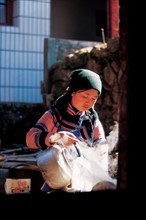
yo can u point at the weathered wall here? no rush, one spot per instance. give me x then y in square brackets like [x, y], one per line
[104, 60]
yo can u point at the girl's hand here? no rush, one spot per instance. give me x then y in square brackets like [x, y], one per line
[64, 138]
[67, 138]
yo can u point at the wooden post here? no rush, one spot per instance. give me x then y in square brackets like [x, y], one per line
[46, 75]
[113, 18]
[124, 98]
[46, 78]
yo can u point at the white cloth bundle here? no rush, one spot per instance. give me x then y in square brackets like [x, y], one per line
[62, 166]
[91, 168]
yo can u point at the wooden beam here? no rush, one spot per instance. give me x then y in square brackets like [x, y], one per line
[46, 76]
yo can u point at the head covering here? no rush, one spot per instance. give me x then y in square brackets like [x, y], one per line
[84, 79]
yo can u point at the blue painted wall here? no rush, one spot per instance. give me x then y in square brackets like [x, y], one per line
[21, 51]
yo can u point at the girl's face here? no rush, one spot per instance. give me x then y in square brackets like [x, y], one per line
[83, 100]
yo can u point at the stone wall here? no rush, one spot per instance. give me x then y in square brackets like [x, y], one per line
[16, 118]
[104, 60]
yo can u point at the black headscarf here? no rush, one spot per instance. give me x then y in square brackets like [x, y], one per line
[84, 79]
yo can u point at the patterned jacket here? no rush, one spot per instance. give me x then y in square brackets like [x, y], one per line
[81, 124]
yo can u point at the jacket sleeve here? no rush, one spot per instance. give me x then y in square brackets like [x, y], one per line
[35, 137]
